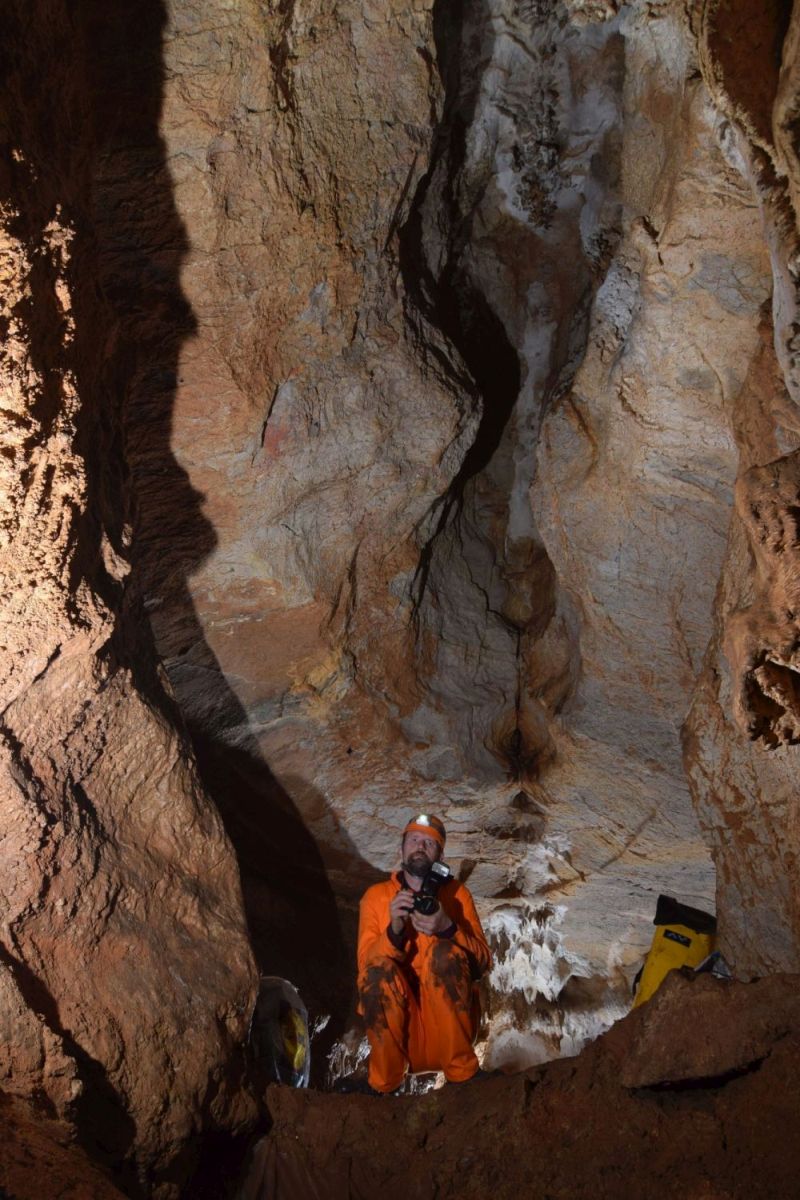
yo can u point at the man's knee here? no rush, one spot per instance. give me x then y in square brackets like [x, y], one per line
[382, 983]
[380, 971]
[450, 969]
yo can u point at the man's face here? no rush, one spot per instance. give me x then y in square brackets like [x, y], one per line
[419, 851]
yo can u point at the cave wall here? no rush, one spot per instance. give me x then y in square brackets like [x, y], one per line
[470, 507]
[742, 728]
[486, 298]
[126, 974]
[417, 385]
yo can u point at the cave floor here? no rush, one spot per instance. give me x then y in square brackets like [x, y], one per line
[695, 1095]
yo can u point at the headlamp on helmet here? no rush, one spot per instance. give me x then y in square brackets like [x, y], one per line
[430, 826]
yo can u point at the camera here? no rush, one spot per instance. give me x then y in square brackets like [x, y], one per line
[425, 901]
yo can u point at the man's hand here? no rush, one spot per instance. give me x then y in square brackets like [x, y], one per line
[433, 924]
[400, 906]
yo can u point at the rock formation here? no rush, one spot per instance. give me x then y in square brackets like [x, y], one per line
[125, 970]
[742, 724]
[400, 413]
[482, 302]
[662, 1105]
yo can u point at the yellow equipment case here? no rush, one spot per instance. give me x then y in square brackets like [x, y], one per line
[684, 937]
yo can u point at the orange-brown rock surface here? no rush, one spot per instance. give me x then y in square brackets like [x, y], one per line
[615, 1122]
[40, 1159]
[742, 728]
[126, 975]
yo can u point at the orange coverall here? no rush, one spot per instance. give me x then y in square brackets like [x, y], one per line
[419, 1002]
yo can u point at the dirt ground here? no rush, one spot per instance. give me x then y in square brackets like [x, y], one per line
[694, 1096]
[39, 1160]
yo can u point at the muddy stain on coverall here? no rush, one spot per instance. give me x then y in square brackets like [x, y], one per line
[450, 969]
[377, 979]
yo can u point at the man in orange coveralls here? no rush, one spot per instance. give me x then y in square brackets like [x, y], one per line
[416, 973]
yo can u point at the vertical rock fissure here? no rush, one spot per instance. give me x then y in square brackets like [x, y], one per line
[451, 302]
[492, 287]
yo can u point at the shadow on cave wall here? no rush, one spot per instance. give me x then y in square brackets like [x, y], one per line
[452, 302]
[133, 318]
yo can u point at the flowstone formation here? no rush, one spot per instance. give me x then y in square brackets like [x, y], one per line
[400, 413]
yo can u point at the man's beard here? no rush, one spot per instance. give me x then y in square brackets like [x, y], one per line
[417, 864]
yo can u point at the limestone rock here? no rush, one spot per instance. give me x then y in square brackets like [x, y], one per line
[699, 1029]
[33, 1058]
[418, 384]
[126, 970]
[740, 730]
[480, 313]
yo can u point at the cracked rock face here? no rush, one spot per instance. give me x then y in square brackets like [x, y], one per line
[485, 301]
[417, 384]
[126, 976]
